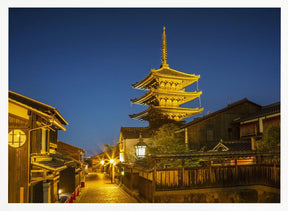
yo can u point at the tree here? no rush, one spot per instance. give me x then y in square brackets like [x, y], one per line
[167, 140]
[271, 139]
[108, 147]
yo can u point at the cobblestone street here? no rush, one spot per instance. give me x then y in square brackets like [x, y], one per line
[99, 189]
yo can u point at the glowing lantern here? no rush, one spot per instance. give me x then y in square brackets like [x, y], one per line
[140, 148]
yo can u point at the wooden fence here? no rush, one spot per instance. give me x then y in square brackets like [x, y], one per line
[145, 188]
[217, 176]
[148, 182]
[130, 180]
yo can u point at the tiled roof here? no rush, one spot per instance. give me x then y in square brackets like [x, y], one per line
[230, 106]
[264, 111]
[54, 165]
[71, 147]
[171, 72]
[134, 132]
[60, 157]
[238, 145]
[37, 105]
[234, 145]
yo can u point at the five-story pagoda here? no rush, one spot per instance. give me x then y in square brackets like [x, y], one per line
[166, 92]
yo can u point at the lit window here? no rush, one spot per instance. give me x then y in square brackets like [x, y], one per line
[16, 138]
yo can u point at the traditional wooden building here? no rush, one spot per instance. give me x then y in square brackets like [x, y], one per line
[252, 126]
[241, 147]
[166, 92]
[32, 141]
[210, 129]
[70, 151]
[72, 177]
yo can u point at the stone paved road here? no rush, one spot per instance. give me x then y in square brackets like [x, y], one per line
[99, 189]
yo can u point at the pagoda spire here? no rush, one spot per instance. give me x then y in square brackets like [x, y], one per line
[166, 92]
[164, 50]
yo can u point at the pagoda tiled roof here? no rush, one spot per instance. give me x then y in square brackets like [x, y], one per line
[152, 92]
[144, 115]
[176, 74]
[134, 132]
[165, 73]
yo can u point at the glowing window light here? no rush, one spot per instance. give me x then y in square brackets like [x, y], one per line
[16, 138]
[121, 157]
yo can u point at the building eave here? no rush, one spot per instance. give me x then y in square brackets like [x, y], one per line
[183, 75]
[42, 107]
[155, 74]
[77, 148]
[144, 115]
[153, 92]
[269, 111]
[144, 82]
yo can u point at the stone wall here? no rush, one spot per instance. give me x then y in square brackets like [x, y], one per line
[244, 194]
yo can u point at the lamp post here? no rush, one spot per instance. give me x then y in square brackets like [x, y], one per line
[112, 163]
[102, 162]
[140, 148]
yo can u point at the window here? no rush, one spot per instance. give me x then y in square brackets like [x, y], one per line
[44, 140]
[16, 138]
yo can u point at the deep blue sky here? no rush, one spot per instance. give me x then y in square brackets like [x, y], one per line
[83, 61]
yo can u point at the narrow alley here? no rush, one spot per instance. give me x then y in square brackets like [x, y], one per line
[99, 189]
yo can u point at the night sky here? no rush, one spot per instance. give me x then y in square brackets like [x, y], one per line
[83, 61]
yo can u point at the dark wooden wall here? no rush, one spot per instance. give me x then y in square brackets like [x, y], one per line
[249, 129]
[252, 128]
[67, 180]
[36, 192]
[18, 163]
[220, 123]
[145, 189]
[274, 121]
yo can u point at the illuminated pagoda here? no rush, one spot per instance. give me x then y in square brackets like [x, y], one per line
[166, 92]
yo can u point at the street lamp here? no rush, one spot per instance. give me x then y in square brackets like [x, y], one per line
[111, 160]
[140, 148]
